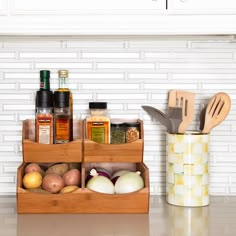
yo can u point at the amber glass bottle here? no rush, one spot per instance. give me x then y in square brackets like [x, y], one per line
[61, 117]
[63, 87]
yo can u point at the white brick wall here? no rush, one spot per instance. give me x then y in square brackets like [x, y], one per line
[127, 73]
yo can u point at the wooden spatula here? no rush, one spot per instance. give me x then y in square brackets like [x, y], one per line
[216, 111]
[185, 100]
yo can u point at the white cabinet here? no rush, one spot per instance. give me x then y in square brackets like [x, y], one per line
[203, 6]
[86, 6]
[2, 7]
[117, 17]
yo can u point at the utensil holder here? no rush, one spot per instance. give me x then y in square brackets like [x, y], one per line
[187, 176]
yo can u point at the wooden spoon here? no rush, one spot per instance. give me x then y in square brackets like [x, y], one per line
[216, 111]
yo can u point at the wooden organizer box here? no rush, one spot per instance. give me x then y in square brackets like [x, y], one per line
[36, 152]
[127, 152]
[83, 200]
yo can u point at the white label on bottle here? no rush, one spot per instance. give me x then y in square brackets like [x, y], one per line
[44, 134]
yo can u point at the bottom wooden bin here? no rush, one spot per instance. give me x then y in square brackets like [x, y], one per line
[83, 200]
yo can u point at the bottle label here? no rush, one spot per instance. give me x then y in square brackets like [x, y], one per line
[98, 131]
[44, 134]
[62, 130]
[44, 128]
[42, 85]
[98, 134]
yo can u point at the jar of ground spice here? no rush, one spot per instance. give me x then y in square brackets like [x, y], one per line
[132, 131]
[117, 133]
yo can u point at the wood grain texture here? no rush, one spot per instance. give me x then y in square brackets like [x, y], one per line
[36, 152]
[83, 200]
[127, 152]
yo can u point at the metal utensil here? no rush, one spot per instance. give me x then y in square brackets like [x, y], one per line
[159, 116]
[175, 116]
[216, 111]
[185, 100]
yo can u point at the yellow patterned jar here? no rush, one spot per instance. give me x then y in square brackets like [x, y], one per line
[187, 169]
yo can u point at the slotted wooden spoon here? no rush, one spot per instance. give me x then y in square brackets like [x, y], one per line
[185, 100]
[216, 111]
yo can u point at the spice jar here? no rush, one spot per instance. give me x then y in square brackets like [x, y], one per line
[117, 133]
[98, 123]
[132, 132]
[44, 117]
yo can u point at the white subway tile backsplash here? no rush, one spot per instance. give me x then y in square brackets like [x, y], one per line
[95, 44]
[126, 97]
[56, 55]
[107, 86]
[14, 65]
[68, 65]
[7, 55]
[111, 55]
[18, 45]
[127, 73]
[19, 107]
[129, 65]
[14, 96]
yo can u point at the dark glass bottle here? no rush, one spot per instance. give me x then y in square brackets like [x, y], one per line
[44, 80]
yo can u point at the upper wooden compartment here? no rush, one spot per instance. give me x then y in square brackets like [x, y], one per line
[127, 152]
[36, 152]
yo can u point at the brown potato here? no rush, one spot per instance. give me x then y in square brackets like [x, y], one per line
[59, 169]
[72, 177]
[34, 167]
[69, 189]
[53, 183]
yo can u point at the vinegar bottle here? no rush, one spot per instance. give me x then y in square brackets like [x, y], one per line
[61, 117]
[63, 86]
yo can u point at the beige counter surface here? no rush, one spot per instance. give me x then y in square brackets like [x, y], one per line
[219, 218]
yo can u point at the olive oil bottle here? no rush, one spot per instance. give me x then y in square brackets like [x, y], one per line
[63, 87]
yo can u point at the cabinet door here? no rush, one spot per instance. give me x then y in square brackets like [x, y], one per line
[2, 7]
[86, 6]
[203, 6]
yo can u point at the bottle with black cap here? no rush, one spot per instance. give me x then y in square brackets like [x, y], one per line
[98, 123]
[61, 117]
[44, 117]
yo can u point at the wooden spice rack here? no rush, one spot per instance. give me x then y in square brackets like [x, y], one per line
[87, 153]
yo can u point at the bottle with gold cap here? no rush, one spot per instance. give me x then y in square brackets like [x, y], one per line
[63, 86]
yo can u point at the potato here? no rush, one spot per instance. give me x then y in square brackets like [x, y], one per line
[34, 167]
[53, 183]
[72, 177]
[69, 189]
[59, 169]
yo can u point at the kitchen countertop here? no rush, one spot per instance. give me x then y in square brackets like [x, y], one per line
[219, 218]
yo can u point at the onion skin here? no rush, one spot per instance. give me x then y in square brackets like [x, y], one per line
[117, 174]
[97, 171]
[128, 183]
[101, 184]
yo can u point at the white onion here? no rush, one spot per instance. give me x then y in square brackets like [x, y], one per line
[117, 174]
[129, 182]
[101, 184]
